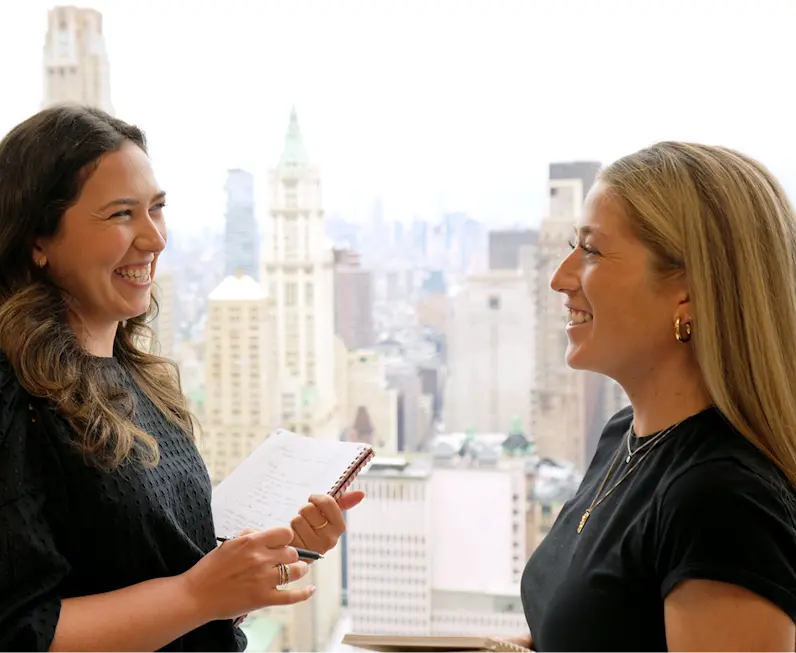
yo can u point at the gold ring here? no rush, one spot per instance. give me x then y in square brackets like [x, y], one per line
[324, 525]
[284, 574]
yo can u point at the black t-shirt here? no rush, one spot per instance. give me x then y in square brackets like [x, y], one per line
[68, 529]
[704, 504]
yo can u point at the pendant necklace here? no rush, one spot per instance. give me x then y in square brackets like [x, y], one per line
[597, 501]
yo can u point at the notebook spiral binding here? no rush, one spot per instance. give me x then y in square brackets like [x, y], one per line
[351, 472]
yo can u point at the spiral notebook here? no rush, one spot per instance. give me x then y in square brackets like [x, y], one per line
[270, 486]
[439, 643]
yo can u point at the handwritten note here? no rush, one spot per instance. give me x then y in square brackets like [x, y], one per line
[270, 486]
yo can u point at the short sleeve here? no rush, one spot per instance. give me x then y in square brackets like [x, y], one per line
[725, 522]
[31, 568]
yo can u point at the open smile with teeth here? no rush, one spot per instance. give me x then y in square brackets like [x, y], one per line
[135, 274]
[578, 317]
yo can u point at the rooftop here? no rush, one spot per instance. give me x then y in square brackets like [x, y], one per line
[237, 288]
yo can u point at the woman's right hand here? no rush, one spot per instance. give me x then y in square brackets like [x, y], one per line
[242, 575]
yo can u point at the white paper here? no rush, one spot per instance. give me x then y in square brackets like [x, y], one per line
[270, 486]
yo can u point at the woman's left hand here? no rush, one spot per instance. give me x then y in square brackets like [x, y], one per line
[320, 523]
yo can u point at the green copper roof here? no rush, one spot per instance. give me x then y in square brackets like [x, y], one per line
[294, 154]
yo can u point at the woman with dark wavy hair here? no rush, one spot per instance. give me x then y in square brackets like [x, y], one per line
[106, 533]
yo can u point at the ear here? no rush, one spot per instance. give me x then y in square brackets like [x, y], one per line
[38, 254]
[682, 296]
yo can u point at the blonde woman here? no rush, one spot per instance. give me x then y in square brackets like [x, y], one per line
[681, 286]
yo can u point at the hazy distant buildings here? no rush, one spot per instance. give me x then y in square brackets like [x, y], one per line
[241, 241]
[75, 62]
[353, 301]
[505, 247]
[490, 353]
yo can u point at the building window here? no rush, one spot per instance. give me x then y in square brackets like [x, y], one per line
[309, 293]
[494, 302]
[290, 294]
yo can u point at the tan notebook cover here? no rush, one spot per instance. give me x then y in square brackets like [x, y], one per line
[406, 643]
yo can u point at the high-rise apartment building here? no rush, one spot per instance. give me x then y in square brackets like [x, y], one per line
[561, 397]
[490, 353]
[240, 378]
[506, 245]
[75, 62]
[241, 241]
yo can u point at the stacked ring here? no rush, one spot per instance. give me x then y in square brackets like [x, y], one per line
[284, 575]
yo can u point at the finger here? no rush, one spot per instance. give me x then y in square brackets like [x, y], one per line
[350, 499]
[330, 511]
[297, 539]
[312, 539]
[298, 570]
[285, 555]
[314, 516]
[289, 597]
[274, 537]
[246, 531]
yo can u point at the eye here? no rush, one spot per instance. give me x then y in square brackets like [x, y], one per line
[158, 207]
[122, 214]
[589, 250]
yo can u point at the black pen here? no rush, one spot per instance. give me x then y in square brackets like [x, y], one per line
[304, 554]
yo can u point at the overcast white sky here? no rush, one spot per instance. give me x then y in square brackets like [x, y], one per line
[431, 104]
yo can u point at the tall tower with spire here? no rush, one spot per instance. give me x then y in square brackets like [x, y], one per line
[298, 275]
[297, 271]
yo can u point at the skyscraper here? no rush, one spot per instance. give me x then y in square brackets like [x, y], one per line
[241, 242]
[239, 374]
[353, 301]
[559, 401]
[490, 353]
[75, 63]
[297, 271]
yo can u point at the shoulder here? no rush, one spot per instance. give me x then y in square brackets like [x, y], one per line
[727, 514]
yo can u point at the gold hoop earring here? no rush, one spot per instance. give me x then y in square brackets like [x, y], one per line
[42, 261]
[682, 337]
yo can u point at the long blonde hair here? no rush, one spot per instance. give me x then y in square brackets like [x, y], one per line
[721, 219]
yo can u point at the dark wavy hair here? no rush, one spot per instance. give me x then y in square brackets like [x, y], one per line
[44, 163]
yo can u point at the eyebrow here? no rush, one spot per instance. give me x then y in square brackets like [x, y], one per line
[129, 201]
[587, 230]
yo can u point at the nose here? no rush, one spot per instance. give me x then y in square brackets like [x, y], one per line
[566, 278]
[152, 235]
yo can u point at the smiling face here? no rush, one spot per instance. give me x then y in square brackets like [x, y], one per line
[106, 248]
[621, 315]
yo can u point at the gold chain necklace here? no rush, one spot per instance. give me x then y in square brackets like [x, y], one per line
[585, 517]
[649, 441]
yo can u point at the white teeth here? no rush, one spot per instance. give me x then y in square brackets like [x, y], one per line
[135, 274]
[578, 317]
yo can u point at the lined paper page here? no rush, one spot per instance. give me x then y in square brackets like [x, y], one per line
[270, 486]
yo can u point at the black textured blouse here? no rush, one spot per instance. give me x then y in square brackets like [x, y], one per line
[69, 529]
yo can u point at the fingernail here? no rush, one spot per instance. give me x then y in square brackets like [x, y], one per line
[312, 589]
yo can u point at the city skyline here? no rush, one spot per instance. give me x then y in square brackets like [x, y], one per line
[465, 119]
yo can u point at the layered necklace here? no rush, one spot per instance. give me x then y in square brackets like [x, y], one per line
[645, 449]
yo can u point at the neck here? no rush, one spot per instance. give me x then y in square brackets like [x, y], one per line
[666, 393]
[96, 340]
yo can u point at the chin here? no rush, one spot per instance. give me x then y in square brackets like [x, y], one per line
[578, 359]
